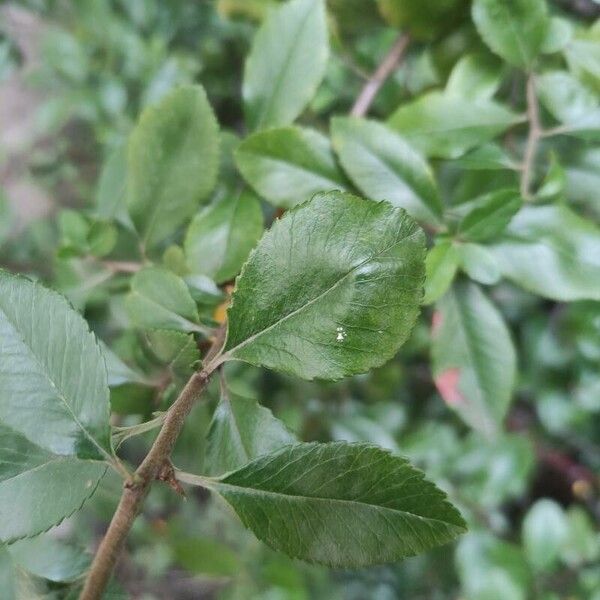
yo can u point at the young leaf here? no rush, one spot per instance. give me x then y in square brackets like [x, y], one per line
[514, 29]
[173, 160]
[286, 63]
[475, 76]
[333, 289]
[490, 216]
[558, 35]
[29, 473]
[545, 531]
[242, 430]
[553, 252]
[111, 192]
[385, 167]
[570, 102]
[50, 558]
[479, 263]
[473, 357]
[118, 371]
[444, 125]
[485, 158]
[176, 349]
[339, 504]
[287, 166]
[53, 385]
[159, 299]
[221, 236]
[440, 268]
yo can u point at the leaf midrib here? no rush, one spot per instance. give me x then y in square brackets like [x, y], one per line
[60, 394]
[284, 68]
[378, 507]
[292, 166]
[56, 459]
[231, 352]
[429, 200]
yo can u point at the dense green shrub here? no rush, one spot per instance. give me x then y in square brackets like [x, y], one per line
[342, 242]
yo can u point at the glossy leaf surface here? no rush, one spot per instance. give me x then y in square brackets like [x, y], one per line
[286, 63]
[288, 165]
[332, 289]
[447, 125]
[339, 504]
[513, 29]
[385, 167]
[221, 236]
[553, 252]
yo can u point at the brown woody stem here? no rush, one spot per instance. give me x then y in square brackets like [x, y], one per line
[152, 468]
[383, 71]
[535, 133]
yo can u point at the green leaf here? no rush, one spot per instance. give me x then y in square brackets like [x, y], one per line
[479, 263]
[440, 267]
[514, 29]
[221, 236]
[554, 183]
[475, 76]
[118, 371]
[175, 349]
[558, 35]
[286, 63]
[490, 216]
[341, 505]
[583, 543]
[570, 102]
[583, 57]
[74, 229]
[333, 289]
[553, 252]
[446, 125]
[53, 385]
[101, 238]
[385, 167]
[242, 430]
[487, 157]
[490, 568]
[112, 185]
[287, 166]
[50, 559]
[160, 299]
[545, 530]
[29, 473]
[172, 163]
[474, 361]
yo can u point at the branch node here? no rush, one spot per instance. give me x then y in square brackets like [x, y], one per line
[166, 474]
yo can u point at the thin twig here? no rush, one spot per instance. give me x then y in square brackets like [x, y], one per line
[535, 133]
[152, 468]
[381, 73]
[121, 266]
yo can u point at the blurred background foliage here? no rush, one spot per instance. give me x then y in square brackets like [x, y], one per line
[74, 76]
